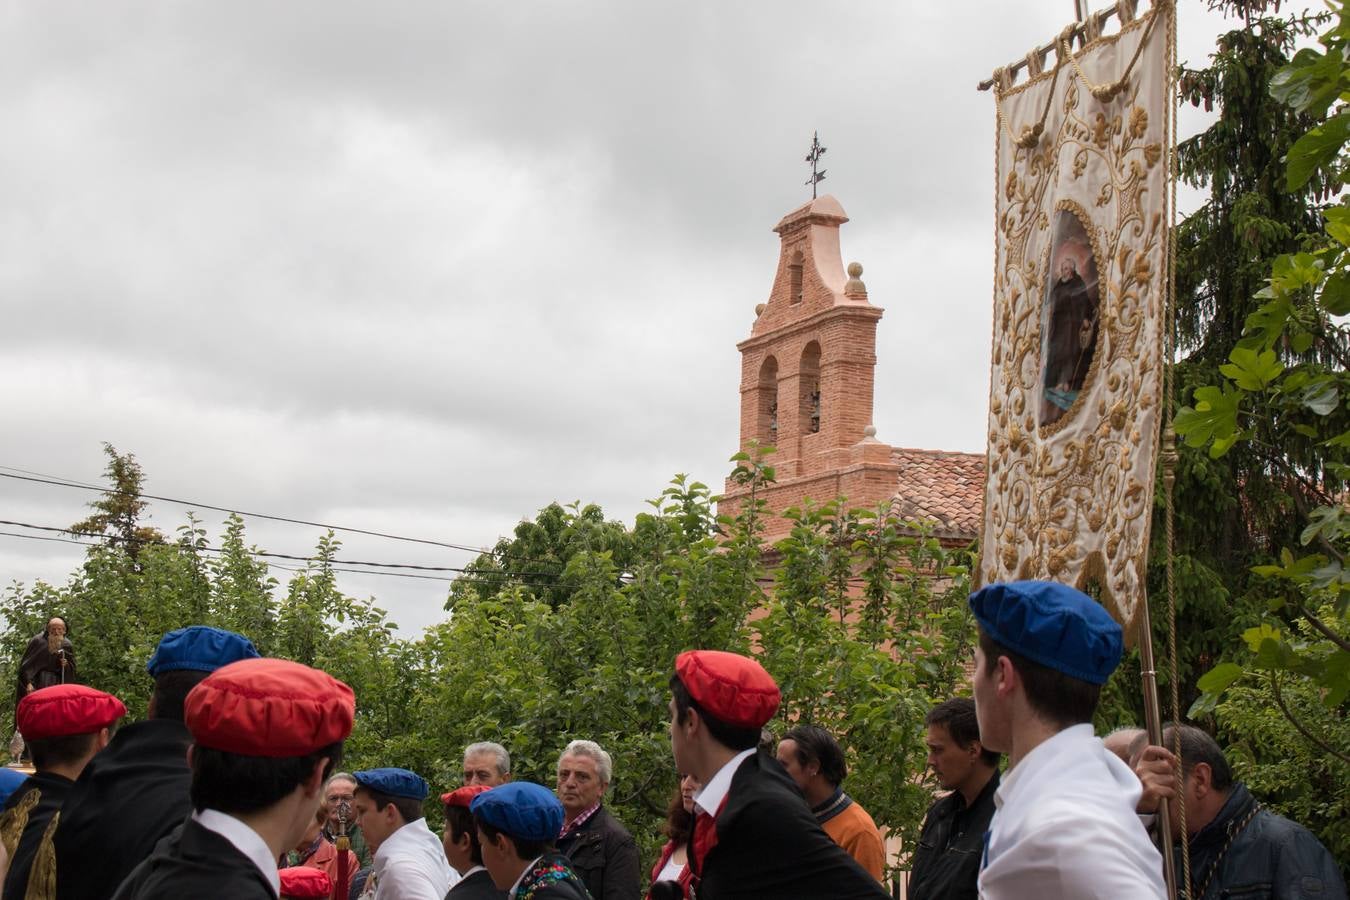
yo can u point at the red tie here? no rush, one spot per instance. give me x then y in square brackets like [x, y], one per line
[705, 838]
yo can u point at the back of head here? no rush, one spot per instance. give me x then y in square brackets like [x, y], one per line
[816, 745]
[733, 695]
[261, 727]
[957, 717]
[1063, 644]
[528, 814]
[1198, 747]
[64, 724]
[185, 657]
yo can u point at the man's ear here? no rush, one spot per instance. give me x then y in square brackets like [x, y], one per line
[1005, 675]
[974, 749]
[1203, 777]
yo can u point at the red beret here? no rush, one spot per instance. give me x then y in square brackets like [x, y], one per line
[304, 883]
[729, 687]
[269, 707]
[463, 796]
[65, 709]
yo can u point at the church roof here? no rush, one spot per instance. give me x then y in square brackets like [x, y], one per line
[944, 488]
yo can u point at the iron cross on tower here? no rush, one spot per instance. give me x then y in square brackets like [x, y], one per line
[817, 151]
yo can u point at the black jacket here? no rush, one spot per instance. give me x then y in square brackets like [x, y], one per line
[947, 859]
[551, 878]
[605, 857]
[133, 793]
[769, 844]
[477, 886]
[52, 791]
[1271, 858]
[195, 862]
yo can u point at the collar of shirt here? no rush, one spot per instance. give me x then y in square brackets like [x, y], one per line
[528, 869]
[580, 820]
[715, 791]
[1041, 756]
[475, 870]
[245, 840]
[414, 840]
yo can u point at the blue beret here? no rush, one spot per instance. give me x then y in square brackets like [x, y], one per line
[522, 809]
[394, 782]
[1052, 624]
[10, 781]
[199, 648]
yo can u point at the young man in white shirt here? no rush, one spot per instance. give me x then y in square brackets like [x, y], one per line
[1065, 823]
[409, 862]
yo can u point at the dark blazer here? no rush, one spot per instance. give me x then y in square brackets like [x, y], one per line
[605, 857]
[132, 794]
[477, 886]
[195, 862]
[769, 844]
[52, 791]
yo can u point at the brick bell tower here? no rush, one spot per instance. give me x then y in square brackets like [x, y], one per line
[807, 371]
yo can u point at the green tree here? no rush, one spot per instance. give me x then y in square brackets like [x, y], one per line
[118, 513]
[1278, 400]
[1229, 511]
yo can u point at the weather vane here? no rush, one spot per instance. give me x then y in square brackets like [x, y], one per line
[817, 151]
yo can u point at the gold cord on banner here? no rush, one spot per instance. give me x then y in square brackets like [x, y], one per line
[1106, 92]
[1030, 135]
[1170, 441]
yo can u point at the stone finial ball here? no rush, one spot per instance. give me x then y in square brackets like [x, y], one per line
[855, 270]
[871, 430]
[759, 309]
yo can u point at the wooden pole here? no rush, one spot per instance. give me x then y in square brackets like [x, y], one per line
[1153, 724]
[1076, 35]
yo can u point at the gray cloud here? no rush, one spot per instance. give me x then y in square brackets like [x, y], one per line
[425, 267]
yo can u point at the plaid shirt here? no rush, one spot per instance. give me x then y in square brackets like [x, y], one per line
[580, 820]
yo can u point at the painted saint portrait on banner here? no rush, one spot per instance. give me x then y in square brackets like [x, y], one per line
[1068, 318]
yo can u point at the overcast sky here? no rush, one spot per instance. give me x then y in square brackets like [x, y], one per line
[426, 267]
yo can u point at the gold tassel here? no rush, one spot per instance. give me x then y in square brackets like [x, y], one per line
[42, 876]
[13, 822]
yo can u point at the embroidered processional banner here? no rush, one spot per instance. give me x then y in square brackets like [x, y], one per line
[1080, 274]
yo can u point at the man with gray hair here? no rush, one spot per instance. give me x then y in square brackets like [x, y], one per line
[486, 762]
[602, 852]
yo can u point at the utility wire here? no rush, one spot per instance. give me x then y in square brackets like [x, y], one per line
[469, 577]
[11, 472]
[289, 556]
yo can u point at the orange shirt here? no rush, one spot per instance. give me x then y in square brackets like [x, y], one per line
[854, 830]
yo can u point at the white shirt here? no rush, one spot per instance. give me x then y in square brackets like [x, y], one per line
[410, 865]
[671, 871]
[1065, 827]
[245, 840]
[715, 791]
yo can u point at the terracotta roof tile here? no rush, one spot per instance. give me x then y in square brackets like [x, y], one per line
[945, 488]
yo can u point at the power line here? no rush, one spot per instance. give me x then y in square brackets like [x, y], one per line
[471, 577]
[289, 556]
[40, 478]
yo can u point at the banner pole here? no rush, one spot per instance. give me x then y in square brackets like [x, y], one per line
[1153, 724]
